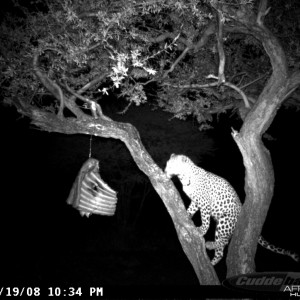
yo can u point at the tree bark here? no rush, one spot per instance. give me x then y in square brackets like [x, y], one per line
[259, 185]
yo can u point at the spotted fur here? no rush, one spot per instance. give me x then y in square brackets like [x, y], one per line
[214, 197]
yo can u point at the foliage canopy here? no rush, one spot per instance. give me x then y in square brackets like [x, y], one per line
[164, 52]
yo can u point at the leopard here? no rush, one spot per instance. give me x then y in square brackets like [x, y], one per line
[215, 197]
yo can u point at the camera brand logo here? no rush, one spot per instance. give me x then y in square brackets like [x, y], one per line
[287, 282]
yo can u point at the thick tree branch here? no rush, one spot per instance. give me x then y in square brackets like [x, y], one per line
[259, 177]
[191, 240]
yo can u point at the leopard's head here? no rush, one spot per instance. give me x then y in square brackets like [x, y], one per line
[176, 165]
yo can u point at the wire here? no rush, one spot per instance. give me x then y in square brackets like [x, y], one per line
[90, 150]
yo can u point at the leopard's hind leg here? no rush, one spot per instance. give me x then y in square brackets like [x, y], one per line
[224, 230]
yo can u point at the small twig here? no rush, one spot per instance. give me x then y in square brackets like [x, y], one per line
[125, 109]
[249, 83]
[236, 75]
[290, 92]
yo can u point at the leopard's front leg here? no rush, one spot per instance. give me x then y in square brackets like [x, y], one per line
[205, 215]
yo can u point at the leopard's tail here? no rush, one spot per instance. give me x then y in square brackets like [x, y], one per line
[278, 250]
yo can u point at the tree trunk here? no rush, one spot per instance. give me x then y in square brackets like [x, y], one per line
[259, 185]
[259, 176]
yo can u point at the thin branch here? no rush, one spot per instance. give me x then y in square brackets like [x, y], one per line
[94, 107]
[198, 86]
[191, 86]
[195, 46]
[86, 100]
[180, 57]
[222, 58]
[49, 84]
[125, 109]
[204, 39]
[237, 75]
[262, 12]
[172, 35]
[92, 47]
[52, 87]
[89, 85]
[231, 85]
[253, 81]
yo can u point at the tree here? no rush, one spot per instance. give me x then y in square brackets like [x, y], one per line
[175, 54]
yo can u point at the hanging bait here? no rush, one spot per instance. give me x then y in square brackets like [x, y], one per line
[90, 194]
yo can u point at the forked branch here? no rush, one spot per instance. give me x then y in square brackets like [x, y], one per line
[49, 84]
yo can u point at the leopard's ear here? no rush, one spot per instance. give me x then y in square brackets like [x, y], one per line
[172, 155]
[184, 158]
